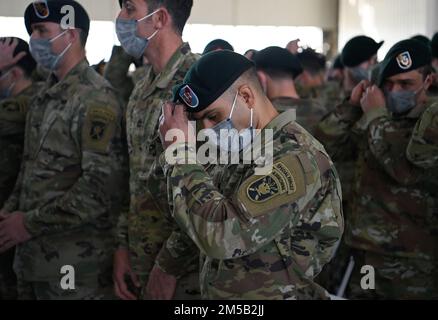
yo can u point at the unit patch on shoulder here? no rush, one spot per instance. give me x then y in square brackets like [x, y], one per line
[99, 129]
[284, 185]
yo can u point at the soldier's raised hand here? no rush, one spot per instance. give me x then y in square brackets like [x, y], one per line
[7, 48]
[373, 99]
[358, 92]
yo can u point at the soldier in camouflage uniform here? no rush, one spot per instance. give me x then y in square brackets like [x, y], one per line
[433, 90]
[423, 146]
[117, 72]
[143, 231]
[359, 56]
[277, 69]
[18, 89]
[261, 236]
[393, 223]
[312, 80]
[65, 204]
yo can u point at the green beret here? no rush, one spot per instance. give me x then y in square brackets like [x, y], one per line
[358, 50]
[434, 45]
[209, 78]
[404, 56]
[218, 44]
[278, 59]
[38, 13]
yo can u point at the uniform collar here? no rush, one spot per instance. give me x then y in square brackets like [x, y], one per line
[56, 88]
[163, 79]
[282, 120]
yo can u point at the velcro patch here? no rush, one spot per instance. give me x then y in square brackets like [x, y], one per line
[286, 184]
[189, 97]
[99, 129]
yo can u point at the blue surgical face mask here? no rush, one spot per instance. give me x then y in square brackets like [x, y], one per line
[239, 142]
[401, 102]
[359, 74]
[41, 50]
[7, 92]
[126, 30]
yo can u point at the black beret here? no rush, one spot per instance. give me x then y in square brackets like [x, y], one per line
[434, 45]
[81, 21]
[278, 59]
[404, 56]
[209, 78]
[422, 39]
[358, 50]
[218, 44]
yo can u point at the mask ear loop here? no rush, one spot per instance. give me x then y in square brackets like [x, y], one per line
[251, 125]
[144, 18]
[233, 107]
[149, 15]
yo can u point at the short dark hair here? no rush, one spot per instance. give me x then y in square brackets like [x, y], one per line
[277, 74]
[426, 71]
[249, 76]
[179, 10]
[83, 37]
[312, 61]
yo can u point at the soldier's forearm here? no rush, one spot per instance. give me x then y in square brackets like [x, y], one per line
[208, 217]
[390, 152]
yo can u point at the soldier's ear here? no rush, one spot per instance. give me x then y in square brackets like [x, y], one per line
[247, 93]
[263, 79]
[161, 18]
[17, 73]
[429, 80]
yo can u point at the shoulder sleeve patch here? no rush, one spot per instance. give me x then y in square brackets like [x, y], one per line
[14, 109]
[285, 185]
[99, 129]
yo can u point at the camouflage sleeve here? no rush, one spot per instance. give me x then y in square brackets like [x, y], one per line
[234, 227]
[122, 230]
[12, 202]
[116, 72]
[13, 116]
[96, 128]
[335, 131]
[179, 255]
[423, 146]
[389, 147]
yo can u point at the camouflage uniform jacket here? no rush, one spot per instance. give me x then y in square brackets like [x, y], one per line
[308, 111]
[395, 202]
[70, 176]
[145, 229]
[423, 146]
[262, 237]
[12, 124]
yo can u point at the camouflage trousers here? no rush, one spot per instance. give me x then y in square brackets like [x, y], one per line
[85, 289]
[8, 280]
[396, 278]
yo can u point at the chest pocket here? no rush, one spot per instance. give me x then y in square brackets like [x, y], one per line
[143, 128]
[55, 138]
